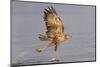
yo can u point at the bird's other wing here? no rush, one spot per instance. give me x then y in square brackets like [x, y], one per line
[53, 21]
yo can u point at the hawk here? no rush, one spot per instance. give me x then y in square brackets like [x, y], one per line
[55, 31]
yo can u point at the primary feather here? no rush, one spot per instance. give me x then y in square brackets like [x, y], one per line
[55, 29]
[54, 25]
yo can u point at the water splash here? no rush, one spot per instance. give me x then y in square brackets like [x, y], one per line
[21, 57]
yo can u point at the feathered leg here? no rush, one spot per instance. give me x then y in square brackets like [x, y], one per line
[45, 47]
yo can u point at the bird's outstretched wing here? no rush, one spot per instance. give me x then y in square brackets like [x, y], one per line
[53, 22]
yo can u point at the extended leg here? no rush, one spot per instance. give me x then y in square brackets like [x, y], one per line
[45, 47]
[55, 55]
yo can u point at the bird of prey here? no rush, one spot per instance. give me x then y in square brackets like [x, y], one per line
[55, 31]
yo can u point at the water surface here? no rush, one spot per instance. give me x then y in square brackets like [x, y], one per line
[27, 23]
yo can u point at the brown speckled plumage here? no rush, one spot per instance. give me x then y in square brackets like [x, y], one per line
[55, 29]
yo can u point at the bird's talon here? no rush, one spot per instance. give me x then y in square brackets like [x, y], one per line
[39, 50]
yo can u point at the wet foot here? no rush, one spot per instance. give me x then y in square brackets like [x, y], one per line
[55, 60]
[39, 50]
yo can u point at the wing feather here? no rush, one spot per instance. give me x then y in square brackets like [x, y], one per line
[53, 22]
